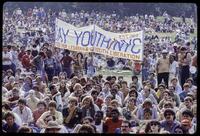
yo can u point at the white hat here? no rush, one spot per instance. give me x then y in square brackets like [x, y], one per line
[164, 51]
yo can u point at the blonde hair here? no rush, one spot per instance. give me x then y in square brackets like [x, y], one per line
[88, 97]
[77, 85]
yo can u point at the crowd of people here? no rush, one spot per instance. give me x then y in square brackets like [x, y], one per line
[50, 90]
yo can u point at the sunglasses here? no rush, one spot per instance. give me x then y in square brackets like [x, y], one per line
[153, 124]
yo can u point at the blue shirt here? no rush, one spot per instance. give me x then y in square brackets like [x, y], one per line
[11, 129]
[169, 128]
[183, 95]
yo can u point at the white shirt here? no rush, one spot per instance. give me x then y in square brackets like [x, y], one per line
[7, 55]
[18, 120]
[99, 127]
[26, 116]
[172, 67]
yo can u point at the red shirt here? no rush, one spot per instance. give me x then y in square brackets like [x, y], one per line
[66, 61]
[111, 126]
[26, 61]
[21, 54]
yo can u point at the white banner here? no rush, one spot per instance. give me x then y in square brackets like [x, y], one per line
[94, 39]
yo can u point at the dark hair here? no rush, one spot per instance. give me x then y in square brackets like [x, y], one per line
[115, 110]
[188, 112]
[52, 87]
[113, 90]
[94, 92]
[107, 83]
[128, 122]
[114, 77]
[100, 112]
[52, 104]
[9, 114]
[87, 128]
[22, 101]
[148, 126]
[147, 110]
[108, 78]
[25, 129]
[42, 102]
[7, 106]
[124, 82]
[134, 77]
[79, 54]
[133, 90]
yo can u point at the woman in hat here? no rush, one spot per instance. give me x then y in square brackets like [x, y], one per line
[52, 127]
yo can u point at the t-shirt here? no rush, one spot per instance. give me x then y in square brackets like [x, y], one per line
[11, 129]
[173, 66]
[66, 60]
[111, 126]
[163, 65]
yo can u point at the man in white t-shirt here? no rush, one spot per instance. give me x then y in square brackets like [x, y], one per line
[173, 68]
[7, 59]
[98, 121]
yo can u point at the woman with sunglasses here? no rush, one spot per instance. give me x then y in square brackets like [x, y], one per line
[153, 127]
